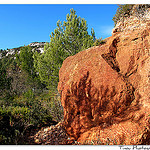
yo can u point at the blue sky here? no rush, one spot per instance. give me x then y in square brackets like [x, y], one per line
[25, 23]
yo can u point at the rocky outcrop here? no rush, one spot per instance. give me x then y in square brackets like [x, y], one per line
[53, 135]
[105, 89]
[138, 18]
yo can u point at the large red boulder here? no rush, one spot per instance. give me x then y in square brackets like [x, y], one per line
[105, 90]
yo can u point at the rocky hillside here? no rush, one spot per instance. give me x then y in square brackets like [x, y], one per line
[36, 46]
[106, 89]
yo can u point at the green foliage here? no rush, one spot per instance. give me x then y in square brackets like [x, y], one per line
[126, 10]
[5, 85]
[25, 59]
[3, 52]
[3, 78]
[55, 106]
[43, 67]
[10, 124]
[23, 99]
[122, 11]
[27, 75]
[26, 110]
[68, 38]
[99, 42]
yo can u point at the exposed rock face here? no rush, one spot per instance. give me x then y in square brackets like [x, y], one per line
[106, 90]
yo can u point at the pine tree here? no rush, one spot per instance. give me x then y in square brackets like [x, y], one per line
[25, 62]
[25, 59]
[69, 38]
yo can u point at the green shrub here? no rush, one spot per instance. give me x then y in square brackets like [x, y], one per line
[56, 107]
[26, 110]
[8, 134]
[126, 11]
[99, 42]
[122, 11]
[51, 102]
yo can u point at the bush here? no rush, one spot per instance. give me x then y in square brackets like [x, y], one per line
[99, 42]
[122, 11]
[126, 11]
[10, 132]
[26, 110]
[51, 102]
[56, 107]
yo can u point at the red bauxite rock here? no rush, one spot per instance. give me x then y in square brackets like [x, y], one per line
[105, 90]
